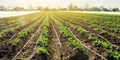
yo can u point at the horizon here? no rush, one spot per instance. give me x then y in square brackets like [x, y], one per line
[60, 3]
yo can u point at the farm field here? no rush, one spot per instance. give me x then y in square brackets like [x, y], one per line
[50, 35]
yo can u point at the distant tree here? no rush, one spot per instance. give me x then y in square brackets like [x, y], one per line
[30, 7]
[2, 8]
[18, 8]
[94, 9]
[46, 9]
[86, 7]
[61, 9]
[105, 9]
[102, 8]
[115, 9]
[70, 7]
[39, 8]
[75, 8]
[53, 9]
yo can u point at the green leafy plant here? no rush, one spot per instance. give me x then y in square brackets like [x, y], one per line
[43, 39]
[42, 50]
[117, 30]
[15, 42]
[82, 31]
[91, 38]
[65, 32]
[1, 34]
[76, 44]
[43, 42]
[103, 32]
[115, 55]
[23, 35]
[97, 29]
[102, 44]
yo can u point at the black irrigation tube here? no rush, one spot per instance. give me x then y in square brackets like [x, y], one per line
[18, 23]
[16, 34]
[86, 46]
[56, 35]
[99, 36]
[28, 41]
[34, 49]
[58, 39]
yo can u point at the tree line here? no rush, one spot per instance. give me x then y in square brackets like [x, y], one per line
[70, 7]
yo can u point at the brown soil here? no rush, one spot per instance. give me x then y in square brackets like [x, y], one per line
[114, 40]
[55, 50]
[84, 40]
[39, 57]
[70, 52]
[7, 51]
[8, 35]
[29, 49]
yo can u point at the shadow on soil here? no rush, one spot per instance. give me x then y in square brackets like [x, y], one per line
[80, 56]
[39, 57]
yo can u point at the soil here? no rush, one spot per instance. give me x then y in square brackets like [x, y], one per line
[8, 35]
[84, 40]
[7, 51]
[69, 52]
[55, 50]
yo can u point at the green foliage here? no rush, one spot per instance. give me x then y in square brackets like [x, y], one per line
[82, 31]
[76, 44]
[115, 55]
[65, 32]
[42, 50]
[11, 30]
[91, 38]
[73, 26]
[118, 37]
[43, 42]
[45, 31]
[117, 30]
[15, 42]
[100, 23]
[103, 32]
[102, 44]
[1, 34]
[11, 22]
[97, 29]
[23, 35]
[29, 29]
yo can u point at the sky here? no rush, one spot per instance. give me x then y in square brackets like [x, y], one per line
[60, 3]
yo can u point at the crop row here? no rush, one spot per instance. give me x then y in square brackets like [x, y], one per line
[25, 33]
[10, 31]
[68, 35]
[95, 20]
[43, 39]
[97, 43]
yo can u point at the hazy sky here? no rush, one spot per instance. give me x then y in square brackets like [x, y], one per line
[60, 3]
